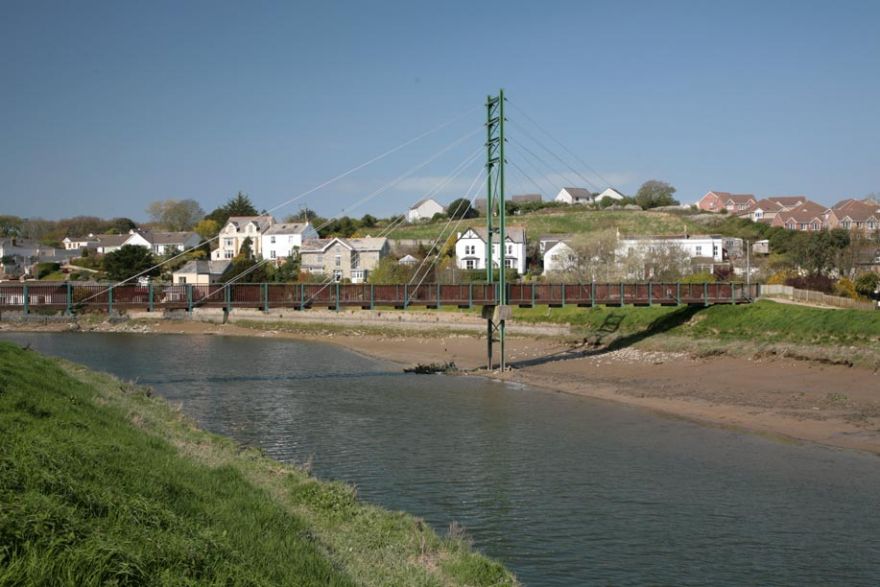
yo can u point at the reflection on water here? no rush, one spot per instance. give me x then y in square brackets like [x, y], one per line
[564, 490]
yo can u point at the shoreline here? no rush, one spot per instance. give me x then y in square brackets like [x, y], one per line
[779, 398]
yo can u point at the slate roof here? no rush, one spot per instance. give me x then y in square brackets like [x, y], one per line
[516, 234]
[205, 267]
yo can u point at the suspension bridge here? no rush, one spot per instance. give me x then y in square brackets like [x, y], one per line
[495, 295]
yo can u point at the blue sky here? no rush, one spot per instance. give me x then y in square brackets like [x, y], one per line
[107, 106]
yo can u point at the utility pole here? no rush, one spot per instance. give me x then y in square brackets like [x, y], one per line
[496, 315]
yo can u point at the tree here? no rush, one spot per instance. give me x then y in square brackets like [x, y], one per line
[389, 271]
[240, 205]
[287, 272]
[368, 221]
[655, 193]
[461, 208]
[207, 228]
[129, 261]
[246, 250]
[867, 284]
[594, 258]
[175, 215]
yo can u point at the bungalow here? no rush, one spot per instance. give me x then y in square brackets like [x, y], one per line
[107, 243]
[200, 272]
[526, 198]
[705, 246]
[763, 211]
[424, 210]
[574, 196]
[343, 258]
[808, 216]
[236, 230]
[735, 203]
[470, 249]
[163, 243]
[284, 239]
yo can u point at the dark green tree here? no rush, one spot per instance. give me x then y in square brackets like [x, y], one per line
[368, 221]
[246, 251]
[129, 261]
[655, 193]
[461, 208]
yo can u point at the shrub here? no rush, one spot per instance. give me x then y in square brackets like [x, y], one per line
[41, 270]
[845, 288]
[812, 282]
[781, 277]
[866, 284]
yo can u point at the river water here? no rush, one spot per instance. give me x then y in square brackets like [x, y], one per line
[564, 490]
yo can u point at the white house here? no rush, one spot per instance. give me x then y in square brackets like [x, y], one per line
[611, 194]
[75, 243]
[237, 229]
[470, 249]
[107, 243]
[703, 246]
[574, 196]
[283, 239]
[559, 257]
[424, 210]
[200, 272]
[162, 243]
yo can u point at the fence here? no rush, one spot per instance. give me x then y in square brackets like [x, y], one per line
[812, 297]
[70, 297]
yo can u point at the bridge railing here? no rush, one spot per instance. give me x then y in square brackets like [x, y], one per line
[72, 297]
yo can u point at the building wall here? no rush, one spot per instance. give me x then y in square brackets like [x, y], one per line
[710, 203]
[470, 253]
[559, 257]
[695, 247]
[424, 212]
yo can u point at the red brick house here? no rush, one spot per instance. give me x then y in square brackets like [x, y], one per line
[733, 203]
[851, 214]
[809, 216]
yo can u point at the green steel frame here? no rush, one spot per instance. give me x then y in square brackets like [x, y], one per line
[495, 213]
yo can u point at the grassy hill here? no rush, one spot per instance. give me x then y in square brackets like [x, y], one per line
[101, 484]
[569, 221]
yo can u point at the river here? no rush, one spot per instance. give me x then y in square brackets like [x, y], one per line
[564, 490]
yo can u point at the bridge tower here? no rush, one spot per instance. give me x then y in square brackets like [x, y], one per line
[496, 228]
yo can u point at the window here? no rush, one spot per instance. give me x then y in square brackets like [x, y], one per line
[699, 250]
[272, 254]
[470, 264]
[181, 280]
[470, 249]
[508, 262]
[803, 225]
[714, 250]
[339, 260]
[227, 254]
[227, 243]
[272, 239]
[355, 260]
[509, 249]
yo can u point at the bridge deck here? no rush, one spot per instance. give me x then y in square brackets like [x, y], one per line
[72, 297]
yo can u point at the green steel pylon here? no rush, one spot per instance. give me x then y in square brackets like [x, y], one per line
[495, 215]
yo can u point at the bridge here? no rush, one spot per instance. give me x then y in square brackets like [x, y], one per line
[72, 298]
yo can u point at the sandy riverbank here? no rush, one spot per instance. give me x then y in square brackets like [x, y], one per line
[834, 405]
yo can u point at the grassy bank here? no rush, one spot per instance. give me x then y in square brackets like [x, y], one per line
[762, 322]
[102, 484]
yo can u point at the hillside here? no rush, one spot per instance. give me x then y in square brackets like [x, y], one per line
[102, 484]
[570, 221]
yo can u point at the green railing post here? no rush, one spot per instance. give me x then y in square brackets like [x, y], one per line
[678, 293]
[110, 300]
[705, 293]
[733, 293]
[438, 296]
[189, 298]
[26, 299]
[69, 310]
[302, 296]
[563, 295]
[150, 297]
[265, 287]
[405, 295]
[622, 295]
[227, 298]
[650, 294]
[372, 296]
[470, 295]
[337, 296]
[533, 295]
[593, 294]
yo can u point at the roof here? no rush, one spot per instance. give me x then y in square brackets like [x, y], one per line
[320, 245]
[769, 205]
[424, 201]
[670, 237]
[112, 240]
[526, 198]
[408, 260]
[856, 210]
[806, 212]
[579, 193]
[787, 201]
[516, 234]
[167, 238]
[261, 221]
[287, 228]
[740, 198]
[205, 267]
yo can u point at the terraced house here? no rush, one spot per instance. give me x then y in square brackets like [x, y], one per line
[808, 216]
[861, 215]
[734, 203]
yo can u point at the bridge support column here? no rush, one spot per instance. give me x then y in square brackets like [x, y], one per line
[265, 288]
[26, 298]
[337, 296]
[372, 296]
[705, 294]
[150, 297]
[110, 300]
[189, 299]
[593, 294]
[227, 299]
[678, 293]
[69, 299]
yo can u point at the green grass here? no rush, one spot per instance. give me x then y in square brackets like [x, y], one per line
[101, 484]
[570, 221]
[54, 276]
[763, 321]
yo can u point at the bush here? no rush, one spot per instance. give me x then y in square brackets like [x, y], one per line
[813, 283]
[41, 270]
[845, 288]
[702, 277]
[781, 277]
[866, 284]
